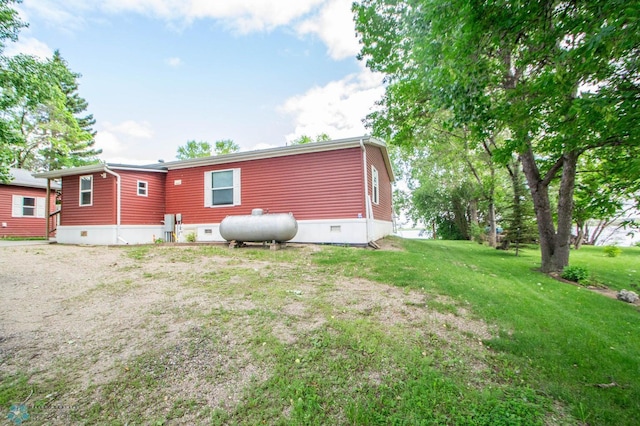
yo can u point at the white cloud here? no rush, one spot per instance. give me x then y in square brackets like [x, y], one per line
[130, 128]
[335, 27]
[173, 62]
[29, 46]
[337, 108]
[109, 143]
[330, 20]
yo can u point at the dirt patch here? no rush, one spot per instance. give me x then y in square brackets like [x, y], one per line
[183, 318]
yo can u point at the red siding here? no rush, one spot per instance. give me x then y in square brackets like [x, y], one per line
[139, 210]
[22, 226]
[103, 210]
[382, 210]
[325, 185]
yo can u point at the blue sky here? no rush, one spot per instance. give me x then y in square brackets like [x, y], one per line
[157, 73]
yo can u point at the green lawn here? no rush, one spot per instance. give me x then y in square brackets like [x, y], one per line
[562, 339]
[311, 335]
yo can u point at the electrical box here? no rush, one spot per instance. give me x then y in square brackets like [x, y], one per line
[169, 222]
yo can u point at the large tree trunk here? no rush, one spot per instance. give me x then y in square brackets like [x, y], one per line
[554, 246]
[491, 218]
[565, 210]
[580, 235]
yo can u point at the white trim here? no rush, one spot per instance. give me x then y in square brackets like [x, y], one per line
[146, 188]
[40, 206]
[81, 191]
[235, 187]
[375, 185]
[17, 206]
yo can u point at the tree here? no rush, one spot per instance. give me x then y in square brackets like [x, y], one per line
[44, 132]
[10, 25]
[225, 146]
[304, 139]
[193, 149]
[558, 78]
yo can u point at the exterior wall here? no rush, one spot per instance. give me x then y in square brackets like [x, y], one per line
[324, 185]
[109, 234]
[22, 226]
[103, 210]
[140, 210]
[383, 210]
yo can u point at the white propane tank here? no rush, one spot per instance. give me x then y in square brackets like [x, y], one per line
[259, 227]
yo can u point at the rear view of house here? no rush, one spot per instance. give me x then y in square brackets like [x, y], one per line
[23, 211]
[339, 192]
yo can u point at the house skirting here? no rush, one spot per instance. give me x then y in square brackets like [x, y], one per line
[109, 234]
[334, 231]
[328, 231]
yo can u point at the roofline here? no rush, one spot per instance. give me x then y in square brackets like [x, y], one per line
[54, 185]
[93, 168]
[282, 151]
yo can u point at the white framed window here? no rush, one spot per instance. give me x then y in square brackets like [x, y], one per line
[143, 188]
[375, 186]
[86, 190]
[222, 188]
[22, 206]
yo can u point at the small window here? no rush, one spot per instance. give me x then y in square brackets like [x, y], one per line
[142, 188]
[27, 206]
[375, 186]
[86, 190]
[222, 188]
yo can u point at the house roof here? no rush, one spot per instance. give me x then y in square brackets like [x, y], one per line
[21, 177]
[234, 157]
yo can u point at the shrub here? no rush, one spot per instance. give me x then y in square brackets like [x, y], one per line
[575, 273]
[191, 237]
[612, 251]
[477, 233]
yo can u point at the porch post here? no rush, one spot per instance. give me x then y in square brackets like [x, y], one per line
[47, 208]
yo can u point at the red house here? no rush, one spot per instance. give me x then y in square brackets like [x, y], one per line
[23, 209]
[339, 192]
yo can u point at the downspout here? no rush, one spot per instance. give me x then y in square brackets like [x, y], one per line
[118, 198]
[366, 189]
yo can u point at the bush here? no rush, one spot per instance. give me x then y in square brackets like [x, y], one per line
[575, 273]
[612, 251]
[191, 237]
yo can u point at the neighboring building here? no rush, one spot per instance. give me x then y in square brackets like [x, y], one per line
[23, 206]
[339, 192]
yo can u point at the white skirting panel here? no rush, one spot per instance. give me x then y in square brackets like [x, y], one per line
[333, 231]
[109, 234]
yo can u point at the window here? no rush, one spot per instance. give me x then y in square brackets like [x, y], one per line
[86, 190]
[222, 188]
[142, 188]
[375, 186]
[27, 206]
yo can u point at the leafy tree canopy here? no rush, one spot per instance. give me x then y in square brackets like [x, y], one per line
[558, 79]
[304, 139]
[193, 149]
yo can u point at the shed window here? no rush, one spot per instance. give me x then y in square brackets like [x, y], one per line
[27, 206]
[142, 188]
[86, 190]
[375, 186]
[222, 188]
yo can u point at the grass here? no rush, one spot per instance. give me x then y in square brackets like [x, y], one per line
[563, 339]
[335, 362]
